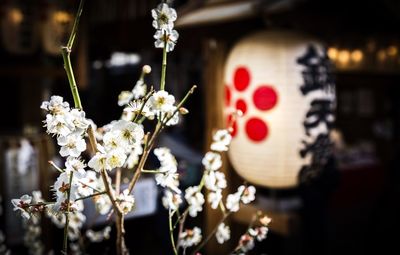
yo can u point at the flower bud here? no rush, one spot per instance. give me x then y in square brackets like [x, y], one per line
[146, 69]
[183, 111]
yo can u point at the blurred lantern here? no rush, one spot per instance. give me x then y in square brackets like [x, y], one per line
[19, 28]
[282, 83]
[56, 29]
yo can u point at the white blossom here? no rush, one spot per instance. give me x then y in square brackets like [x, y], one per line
[168, 176]
[37, 197]
[163, 16]
[124, 98]
[103, 204]
[165, 156]
[260, 233]
[212, 161]
[169, 180]
[98, 236]
[22, 205]
[71, 145]
[223, 233]
[79, 120]
[246, 243]
[168, 36]
[172, 121]
[112, 140]
[190, 237]
[129, 131]
[233, 202]
[171, 200]
[221, 140]
[99, 162]
[116, 158]
[248, 194]
[127, 201]
[214, 198]
[265, 220]
[195, 200]
[215, 180]
[76, 221]
[139, 90]
[137, 107]
[133, 157]
[60, 125]
[55, 106]
[88, 183]
[75, 165]
[162, 102]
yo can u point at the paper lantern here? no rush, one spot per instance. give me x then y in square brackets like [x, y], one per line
[282, 83]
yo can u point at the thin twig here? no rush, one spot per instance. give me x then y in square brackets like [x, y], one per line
[118, 181]
[75, 26]
[92, 195]
[66, 226]
[93, 188]
[55, 166]
[151, 171]
[167, 118]
[109, 191]
[212, 233]
[181, 225]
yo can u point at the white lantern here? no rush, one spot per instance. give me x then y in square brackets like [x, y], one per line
[282, 83]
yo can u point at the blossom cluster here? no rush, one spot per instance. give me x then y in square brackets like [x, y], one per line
[33, 230]
[167, 176]
[163, 22]
[138, 91]
[98, 236]
[119, 140]
[258, 233]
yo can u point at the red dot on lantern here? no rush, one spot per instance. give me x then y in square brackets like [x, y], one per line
[256, 129]
[241, 105]
[228, 95]
[234, 125]
[241, 78]
[265, 98]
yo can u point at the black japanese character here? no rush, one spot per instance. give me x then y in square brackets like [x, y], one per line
[321, 111]
[317, 72]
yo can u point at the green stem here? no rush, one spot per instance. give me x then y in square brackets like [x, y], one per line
[171, 232]
[164, 64]
[65, 243]
[66, 52]
[75, 26]
[141, 120]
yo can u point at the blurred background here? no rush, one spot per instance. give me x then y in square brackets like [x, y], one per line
[344, 201]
